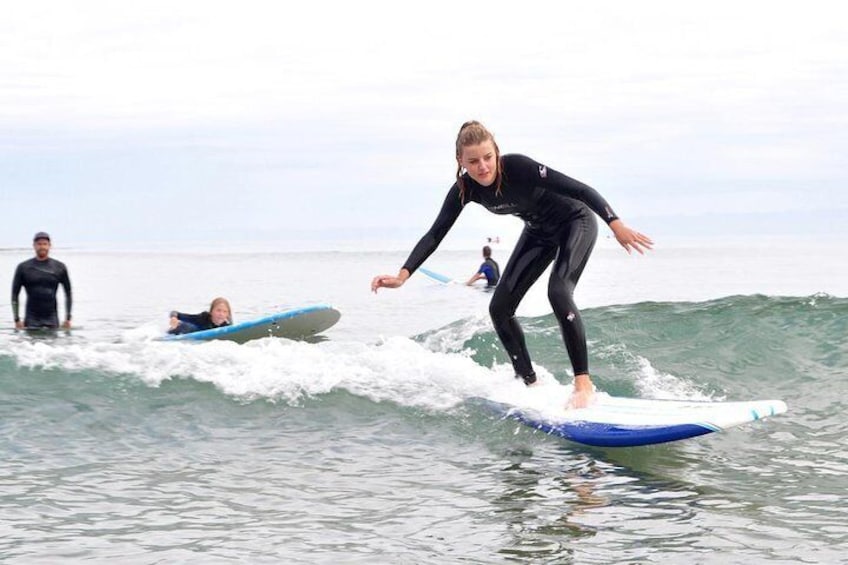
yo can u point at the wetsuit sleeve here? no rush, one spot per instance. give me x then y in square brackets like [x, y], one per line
[563, 185]
[65, 281]
[450, 211]
[17, 282]
[195, 319]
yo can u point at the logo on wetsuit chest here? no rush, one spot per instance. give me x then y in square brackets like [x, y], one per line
[543, 171]
[503, 208]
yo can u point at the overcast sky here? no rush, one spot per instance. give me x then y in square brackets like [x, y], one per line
[129, 123]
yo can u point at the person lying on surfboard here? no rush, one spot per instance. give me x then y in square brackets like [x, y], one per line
[219, 314]
[559, 227]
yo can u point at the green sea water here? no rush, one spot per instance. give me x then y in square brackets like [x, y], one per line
[103, 460]
[371, 446]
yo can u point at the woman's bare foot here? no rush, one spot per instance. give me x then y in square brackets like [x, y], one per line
[583, 394]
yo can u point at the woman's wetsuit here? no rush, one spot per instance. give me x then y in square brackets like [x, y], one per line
[193, 323]
[558, 226]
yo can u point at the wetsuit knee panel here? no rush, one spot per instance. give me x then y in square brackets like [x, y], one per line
[502, 306]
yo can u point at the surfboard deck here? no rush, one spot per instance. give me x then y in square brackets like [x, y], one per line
[436, 276]
[296, 323]
[444, 279]
[625, 422]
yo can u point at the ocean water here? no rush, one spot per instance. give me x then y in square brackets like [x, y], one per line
[370, 446]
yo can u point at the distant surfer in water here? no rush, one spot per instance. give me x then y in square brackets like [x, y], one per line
[218, 315]
[489, 270]
[41, 277]
[559, 227]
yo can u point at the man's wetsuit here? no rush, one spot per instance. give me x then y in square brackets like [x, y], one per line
[490, 269]
[558, 226]
[41, 279]
[193, 323]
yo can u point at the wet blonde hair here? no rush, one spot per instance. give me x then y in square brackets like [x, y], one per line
[473, 132]
[226, 303]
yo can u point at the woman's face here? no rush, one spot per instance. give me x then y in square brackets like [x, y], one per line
[481, 162]
[220, 314]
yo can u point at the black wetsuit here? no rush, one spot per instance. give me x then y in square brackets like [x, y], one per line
[193, 323]
[559, 226]
[491, 270]
[41, 279]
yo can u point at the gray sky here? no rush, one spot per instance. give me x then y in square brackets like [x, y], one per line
[135, 123]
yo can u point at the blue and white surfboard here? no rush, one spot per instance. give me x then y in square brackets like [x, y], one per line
[620, 422]
[297, 323]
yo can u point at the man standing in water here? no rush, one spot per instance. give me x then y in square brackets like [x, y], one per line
[489, 270]
[41, 277]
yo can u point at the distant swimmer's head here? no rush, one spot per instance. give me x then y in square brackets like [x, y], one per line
[41, 244]
[220, 312]
[478, 155]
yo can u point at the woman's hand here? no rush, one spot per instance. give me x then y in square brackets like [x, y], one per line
[389, 281]
[629, 238]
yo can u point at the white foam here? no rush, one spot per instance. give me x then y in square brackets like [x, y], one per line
[397, 370]
[658, 385]
[448, 338]
[434, 375]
